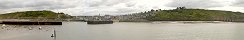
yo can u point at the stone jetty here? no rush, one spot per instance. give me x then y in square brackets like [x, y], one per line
[27, 22]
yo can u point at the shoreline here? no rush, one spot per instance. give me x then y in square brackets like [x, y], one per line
[64, 20]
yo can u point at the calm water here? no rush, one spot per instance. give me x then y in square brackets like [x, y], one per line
[128, 31]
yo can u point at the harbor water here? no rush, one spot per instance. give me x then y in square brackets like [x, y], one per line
[125, 31]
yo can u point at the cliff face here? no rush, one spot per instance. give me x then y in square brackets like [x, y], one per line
[34, 15]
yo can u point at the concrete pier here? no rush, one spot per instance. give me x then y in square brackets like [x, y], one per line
[29, 23]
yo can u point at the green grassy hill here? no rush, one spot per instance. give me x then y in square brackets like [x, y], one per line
[184, 14]
[34, 15]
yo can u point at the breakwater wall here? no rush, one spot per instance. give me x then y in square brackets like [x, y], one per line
[29, 23]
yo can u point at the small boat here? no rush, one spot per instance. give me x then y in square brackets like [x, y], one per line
[100, 22]
[54, 34]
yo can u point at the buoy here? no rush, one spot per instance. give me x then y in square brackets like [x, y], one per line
[40, 28]
[3, 25]
[30, 28]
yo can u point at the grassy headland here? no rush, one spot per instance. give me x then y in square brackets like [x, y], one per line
[185, 14]
[34, 15]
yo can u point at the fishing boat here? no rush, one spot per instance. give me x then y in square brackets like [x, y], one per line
[100, 22]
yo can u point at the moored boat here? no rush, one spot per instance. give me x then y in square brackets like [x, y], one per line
[99, 22]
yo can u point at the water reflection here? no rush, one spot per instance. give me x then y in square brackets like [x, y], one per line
[160, 31]
[239, 33]
[135, 31]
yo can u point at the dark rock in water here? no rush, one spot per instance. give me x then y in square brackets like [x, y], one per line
[99, 22]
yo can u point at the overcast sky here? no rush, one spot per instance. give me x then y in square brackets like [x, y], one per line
[115, 7]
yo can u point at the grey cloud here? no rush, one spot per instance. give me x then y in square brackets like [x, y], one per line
[116, 11]
[105, 3]
[124, 10]
[94, 7]
[238, 3]
[36, 4]
[130, 4]
[195, 3]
